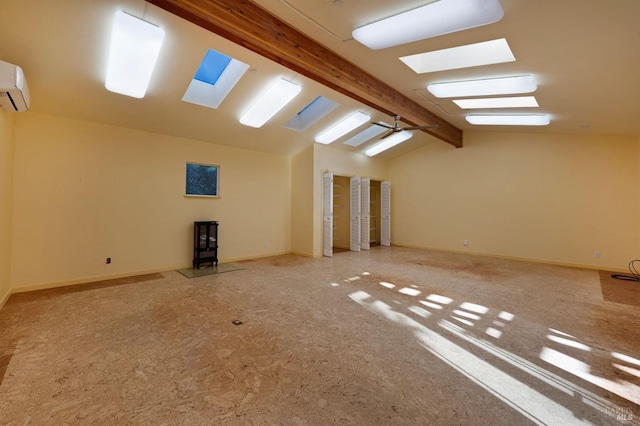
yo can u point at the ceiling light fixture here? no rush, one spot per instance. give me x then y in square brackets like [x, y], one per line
[367, 134]
[135, 45]
[485, 87]
[387, 143]
[469, 55]
[434, 19]
[509, 120]
[340, 129]
[511, 102]
[269, 103]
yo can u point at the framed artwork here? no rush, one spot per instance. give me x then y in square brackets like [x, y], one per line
[202, 180]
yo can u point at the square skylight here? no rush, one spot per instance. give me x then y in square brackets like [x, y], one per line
[369, 133]
[486, 87]
[214, 79]
[470, 55]
[310, 114]
[511, 102]
[211, 67]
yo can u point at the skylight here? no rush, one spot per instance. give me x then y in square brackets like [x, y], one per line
[510, 102]
[272, 100]
[340, 129]
[390, 142]
[486, 87]
[310, 114]
[509, 120]
[133, 52]
[434, 19]
[470, 55]
[367, 134]
[212, 67]
[214, 79]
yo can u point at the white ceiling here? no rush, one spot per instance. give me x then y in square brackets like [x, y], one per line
[583, 53]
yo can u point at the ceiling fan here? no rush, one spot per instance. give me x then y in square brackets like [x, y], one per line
[396, 127]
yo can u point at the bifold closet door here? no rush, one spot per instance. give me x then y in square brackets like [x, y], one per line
[385, 213]
[365, 213]
[355, 214]
[327, 214]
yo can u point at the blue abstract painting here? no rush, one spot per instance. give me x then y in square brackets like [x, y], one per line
[202, 180]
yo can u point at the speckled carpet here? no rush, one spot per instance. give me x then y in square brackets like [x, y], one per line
[392, 336]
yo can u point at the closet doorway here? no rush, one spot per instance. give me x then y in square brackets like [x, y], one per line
[356, 213]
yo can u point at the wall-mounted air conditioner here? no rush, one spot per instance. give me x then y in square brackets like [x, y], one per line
[14, 92]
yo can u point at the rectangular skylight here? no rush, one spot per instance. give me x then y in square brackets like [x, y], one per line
[133, 52]
[272, 100]
[214, 79]
[511, 102]
[390, 142]
[367, 134]
[470, 55]
[310, 114]
[340, 129]
[212, 66]
[509, 120]
[436, 18]
[486, 87]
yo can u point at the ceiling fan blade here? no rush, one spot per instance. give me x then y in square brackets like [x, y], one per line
[382, 125]
[386, 135]
[421, 127]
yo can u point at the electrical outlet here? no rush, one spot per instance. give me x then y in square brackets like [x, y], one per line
[596, 254]
[108, 260]
[465, 242]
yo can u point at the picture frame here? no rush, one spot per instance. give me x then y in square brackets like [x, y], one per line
[202, 180]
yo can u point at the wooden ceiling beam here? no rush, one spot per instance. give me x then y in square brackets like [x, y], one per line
[247, 24]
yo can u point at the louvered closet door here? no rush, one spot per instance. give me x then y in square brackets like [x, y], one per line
[385, 213]
[365, 213]
[355, 214]
[327, 214]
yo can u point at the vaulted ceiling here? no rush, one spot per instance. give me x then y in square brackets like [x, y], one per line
[583, 54]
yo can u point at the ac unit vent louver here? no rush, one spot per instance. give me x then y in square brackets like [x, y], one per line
[14, 92]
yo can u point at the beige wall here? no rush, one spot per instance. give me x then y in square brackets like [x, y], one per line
[555, 198]
[302, 203]
[7, 147]
[328, 159]
[86, 192]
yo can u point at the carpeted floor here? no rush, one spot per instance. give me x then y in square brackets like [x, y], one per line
[392, 336]
[619, 291]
